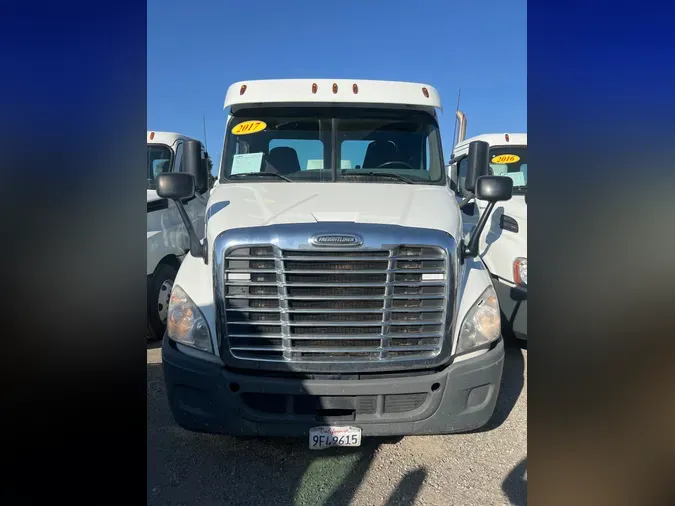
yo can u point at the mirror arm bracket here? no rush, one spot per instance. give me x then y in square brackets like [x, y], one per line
[197, 249]
[469, 197]
[470, 250]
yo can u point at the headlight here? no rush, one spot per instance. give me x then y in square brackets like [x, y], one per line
[185, 323]
[520, 271]
[482, 323]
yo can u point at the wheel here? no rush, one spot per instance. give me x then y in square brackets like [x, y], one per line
[159, 293]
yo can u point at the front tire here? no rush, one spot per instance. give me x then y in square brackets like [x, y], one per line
[159, 293]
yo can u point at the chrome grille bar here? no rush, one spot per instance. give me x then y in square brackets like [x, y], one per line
[336, 306]
[333, 350]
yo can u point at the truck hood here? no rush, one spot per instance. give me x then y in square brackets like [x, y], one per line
[240, 205]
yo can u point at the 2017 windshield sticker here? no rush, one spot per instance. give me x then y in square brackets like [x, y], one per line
[249, 127]
[505, 159]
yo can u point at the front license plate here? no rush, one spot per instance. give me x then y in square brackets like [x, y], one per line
[324, 437]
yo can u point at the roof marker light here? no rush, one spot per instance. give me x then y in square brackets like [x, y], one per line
[314, 87]
[334, 87]
[506, 136]
[152, 135]
[242, 90]
[355, 88]
[426, 92]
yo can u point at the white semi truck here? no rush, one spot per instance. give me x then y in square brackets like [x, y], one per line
[334, 295]
[167, 238]
[503, 245]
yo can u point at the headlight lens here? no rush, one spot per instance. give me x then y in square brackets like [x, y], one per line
[520, 271]
[185, 322]
[482, 323]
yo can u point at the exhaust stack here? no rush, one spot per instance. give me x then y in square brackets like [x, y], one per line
[462, 126]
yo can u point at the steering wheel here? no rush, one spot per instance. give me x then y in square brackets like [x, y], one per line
[393, 164]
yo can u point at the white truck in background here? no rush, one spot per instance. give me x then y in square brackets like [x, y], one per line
[503, 245]
[334, 294]
[167, 238]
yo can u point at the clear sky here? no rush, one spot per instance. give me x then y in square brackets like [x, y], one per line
[197, 49]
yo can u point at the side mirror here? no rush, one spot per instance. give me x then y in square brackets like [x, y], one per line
[478, 164]
[177, 186]
[492, 189]
[194, 164]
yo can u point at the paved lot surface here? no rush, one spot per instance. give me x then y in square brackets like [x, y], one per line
[484, 468]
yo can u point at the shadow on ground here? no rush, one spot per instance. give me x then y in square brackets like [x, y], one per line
[515, 484]
[186, 468]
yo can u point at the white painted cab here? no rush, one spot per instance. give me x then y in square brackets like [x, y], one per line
[503, 244]
[334, 294]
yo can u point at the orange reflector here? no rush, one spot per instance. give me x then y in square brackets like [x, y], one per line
[506, 136]
[334, 88]
[314, 88]
[355, 88]
[242, 89]
[426, 92]
[152, 135]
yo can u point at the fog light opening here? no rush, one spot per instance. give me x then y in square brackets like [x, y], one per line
[234, 387]
[435, 387]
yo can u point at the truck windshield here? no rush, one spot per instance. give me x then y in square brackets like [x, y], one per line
[338, 144]
[159, 160]
[510, 161]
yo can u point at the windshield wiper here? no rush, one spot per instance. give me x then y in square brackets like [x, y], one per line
[260, 174]
[385, 174]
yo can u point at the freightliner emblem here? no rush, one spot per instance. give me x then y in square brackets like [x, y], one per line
[350, 240]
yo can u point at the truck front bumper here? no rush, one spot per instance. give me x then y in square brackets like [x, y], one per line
[206, 397]
[513, 304]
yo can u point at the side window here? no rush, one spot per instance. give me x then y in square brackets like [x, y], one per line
[159, 160]
[178, 164]
[462, 168]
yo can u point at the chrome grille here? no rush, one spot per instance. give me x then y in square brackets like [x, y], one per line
[335, 306]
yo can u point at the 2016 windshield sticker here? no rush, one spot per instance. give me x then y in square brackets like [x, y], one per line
[505, 159]
[249, 127]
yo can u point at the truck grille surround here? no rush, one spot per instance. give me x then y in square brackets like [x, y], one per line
[286, 304]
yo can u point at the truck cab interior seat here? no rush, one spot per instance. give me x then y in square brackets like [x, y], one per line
[379, 152]
[283, 160]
